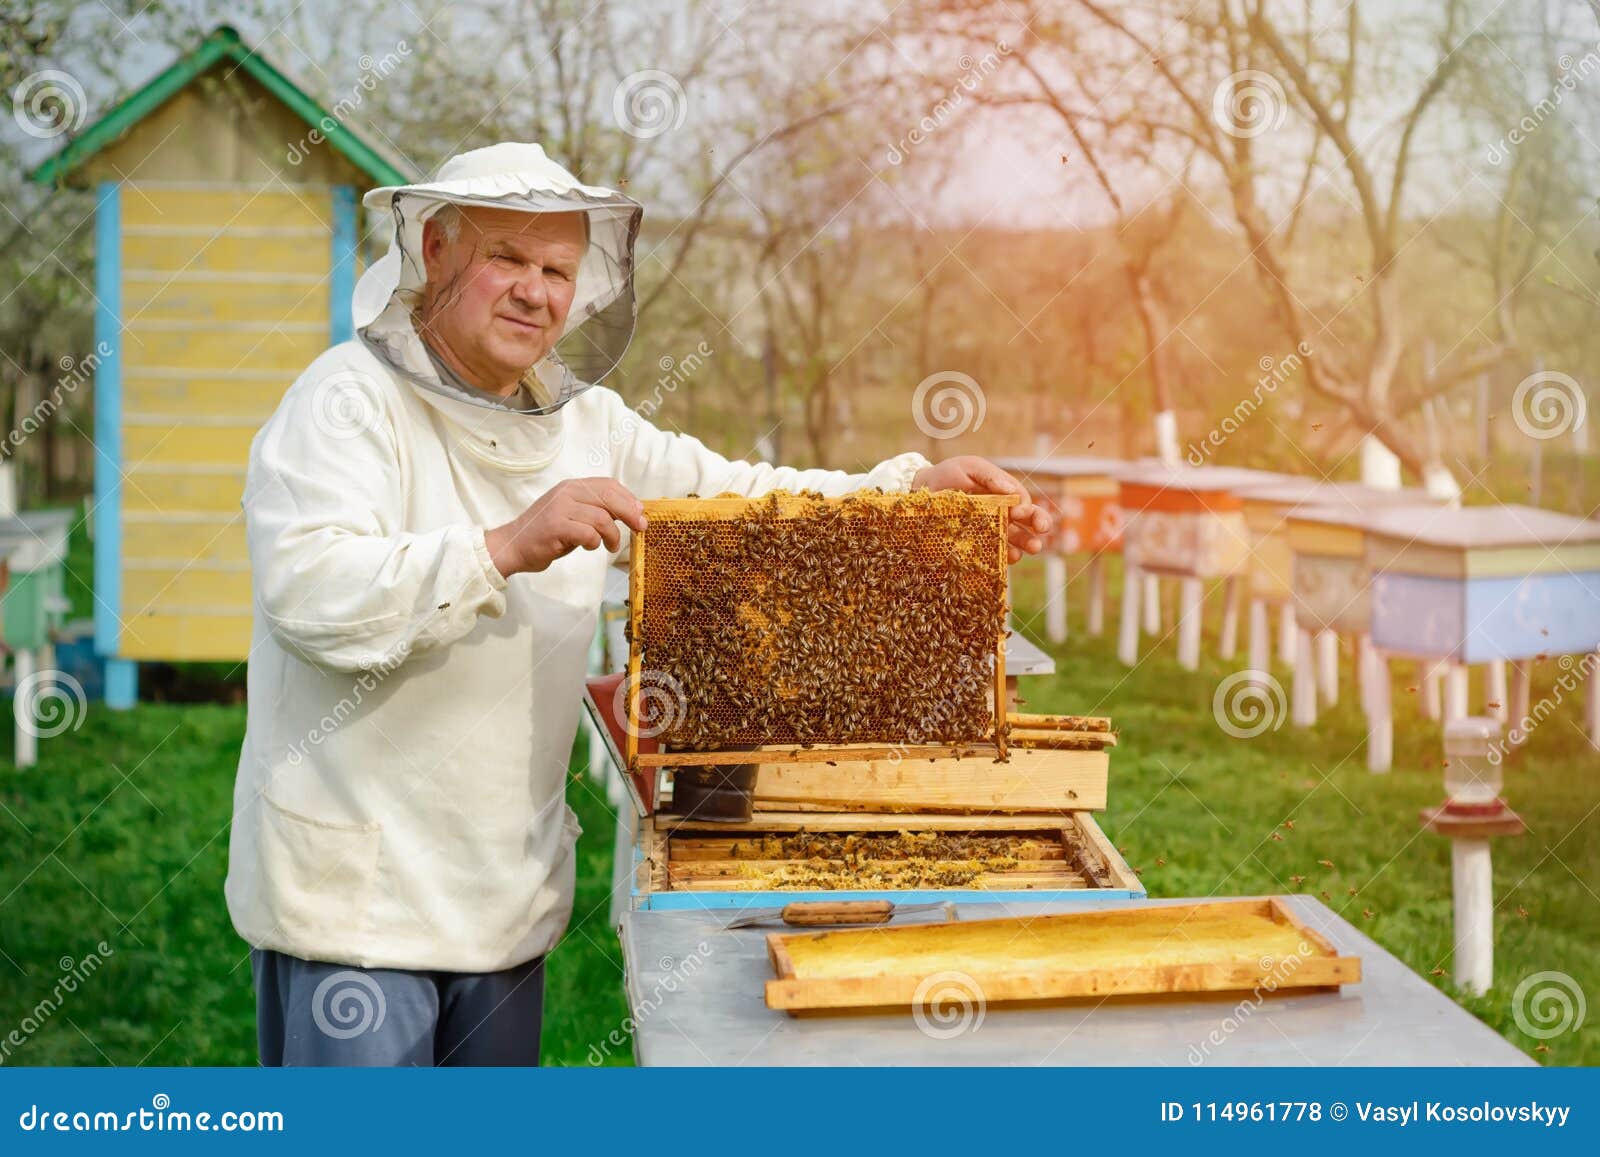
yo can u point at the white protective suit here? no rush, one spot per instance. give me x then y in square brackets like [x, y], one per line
[399, 799]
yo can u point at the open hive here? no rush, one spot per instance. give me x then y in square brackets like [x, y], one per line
[798, 619]
[1023, 858]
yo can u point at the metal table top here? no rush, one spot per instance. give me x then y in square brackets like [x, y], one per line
[695, 992]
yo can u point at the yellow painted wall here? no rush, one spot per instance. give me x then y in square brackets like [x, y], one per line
[220, 313]
[226, 252]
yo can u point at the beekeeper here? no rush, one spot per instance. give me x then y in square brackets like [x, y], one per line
[428, 532]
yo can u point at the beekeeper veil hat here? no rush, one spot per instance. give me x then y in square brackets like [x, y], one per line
[509, 176]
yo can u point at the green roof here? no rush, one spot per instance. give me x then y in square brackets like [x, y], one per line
[224, 43]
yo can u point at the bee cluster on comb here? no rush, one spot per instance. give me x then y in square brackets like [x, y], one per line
[801, 619]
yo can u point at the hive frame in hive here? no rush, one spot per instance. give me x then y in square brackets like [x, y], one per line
[732, 506]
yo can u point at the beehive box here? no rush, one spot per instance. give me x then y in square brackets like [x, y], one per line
[1188, 522]
[1481, 583]
[1268, 512]
[794, 621]
[1081, 496]
[919, 857]
[1034, 810]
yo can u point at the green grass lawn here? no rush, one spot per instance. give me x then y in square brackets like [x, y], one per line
[120, 834]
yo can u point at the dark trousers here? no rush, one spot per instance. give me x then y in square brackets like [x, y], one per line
[311, 1013]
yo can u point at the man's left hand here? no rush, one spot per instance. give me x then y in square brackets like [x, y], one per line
[974, 475]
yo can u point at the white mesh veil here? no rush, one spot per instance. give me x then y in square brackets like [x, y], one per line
[510, 176]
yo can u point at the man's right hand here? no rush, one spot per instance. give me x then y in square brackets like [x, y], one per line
[580, 512]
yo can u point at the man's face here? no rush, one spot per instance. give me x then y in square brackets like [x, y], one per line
[497, 295]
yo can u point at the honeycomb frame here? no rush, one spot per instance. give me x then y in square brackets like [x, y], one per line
[739, 568]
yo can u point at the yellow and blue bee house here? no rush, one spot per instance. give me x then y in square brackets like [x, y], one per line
[226, 251]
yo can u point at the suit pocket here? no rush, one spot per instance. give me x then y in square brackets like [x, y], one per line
[319, 875]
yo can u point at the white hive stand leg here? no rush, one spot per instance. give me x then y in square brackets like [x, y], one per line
[1305, 681]
[1591, 702]
[1431, 678]
[1380, 711]
[25, 709]
[1288, 632]
[1260, 637]
[597, 750]
[1152, 604]
[1455, 691]
[1232, 595]
[1097, 596]
[1520, 700]
[1190, 595]
[1497, 691]
[1055, 598]
[1128, 626]
[1472, 881]
[1328, 666]
[1364, 672]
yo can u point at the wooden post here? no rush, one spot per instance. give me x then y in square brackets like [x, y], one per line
[1328, 666]
[1128, 627]
[1496, 692]
[1305, 681]
[1232, 596]
[1097, 596]
[1380, 712]
[1055, 597]
[1260, 636]
[1521, 696]
[1152, 603]
[1190, 594]
[1455, 691]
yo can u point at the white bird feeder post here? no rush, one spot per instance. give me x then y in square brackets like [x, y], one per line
[1472, 814]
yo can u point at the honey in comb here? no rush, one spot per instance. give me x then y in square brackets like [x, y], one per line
[802, 619]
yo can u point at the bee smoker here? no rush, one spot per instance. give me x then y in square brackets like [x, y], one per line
[718, 792]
